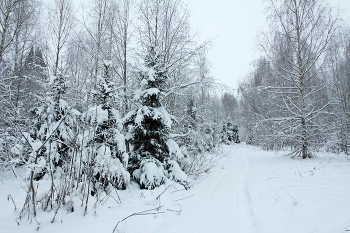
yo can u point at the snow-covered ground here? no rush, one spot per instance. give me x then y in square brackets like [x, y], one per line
[248, 191]
[287, 195]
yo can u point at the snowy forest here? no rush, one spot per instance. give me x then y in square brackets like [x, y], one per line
[117, 95]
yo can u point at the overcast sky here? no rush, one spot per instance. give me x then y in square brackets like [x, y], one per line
[235, 24]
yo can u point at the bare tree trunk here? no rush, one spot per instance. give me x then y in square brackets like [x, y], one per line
[301, 82]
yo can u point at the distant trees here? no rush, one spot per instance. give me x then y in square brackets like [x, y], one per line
[14, 18]
[17, 32]
[230, 105]
[338, 66]
[18, 23]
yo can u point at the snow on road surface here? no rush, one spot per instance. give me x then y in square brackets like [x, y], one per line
[249, 191]
[221, 202]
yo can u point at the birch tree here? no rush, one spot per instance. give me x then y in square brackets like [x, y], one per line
[300, 34]
[61, 25]
[120, 27]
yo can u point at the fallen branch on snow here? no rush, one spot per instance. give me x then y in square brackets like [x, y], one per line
[184, 198]
[139, 213]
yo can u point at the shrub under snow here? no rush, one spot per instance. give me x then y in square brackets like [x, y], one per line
[150, 174]
[107, 169]
[176, 174]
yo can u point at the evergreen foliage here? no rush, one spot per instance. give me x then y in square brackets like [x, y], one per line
[54, 124]
[34, 65]
[229, 133]
[106, 143]
[200, 133]
[149, 125]
[192, 114]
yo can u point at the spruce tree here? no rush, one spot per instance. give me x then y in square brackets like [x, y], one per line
[106, 143]
[54, 123]
[192, 114]
[192, 142]
[148, 129]
[34, 66]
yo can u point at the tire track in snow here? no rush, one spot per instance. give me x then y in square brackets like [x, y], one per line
[221, 202]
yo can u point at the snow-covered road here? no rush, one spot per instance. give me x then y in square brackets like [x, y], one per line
[223, 204]
[249, 191]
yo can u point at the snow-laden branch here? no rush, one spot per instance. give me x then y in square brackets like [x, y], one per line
[172, 90]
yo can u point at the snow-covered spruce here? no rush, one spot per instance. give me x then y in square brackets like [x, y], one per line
[53, 122]
[148, 130]
[104, 140]
[229, 133]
